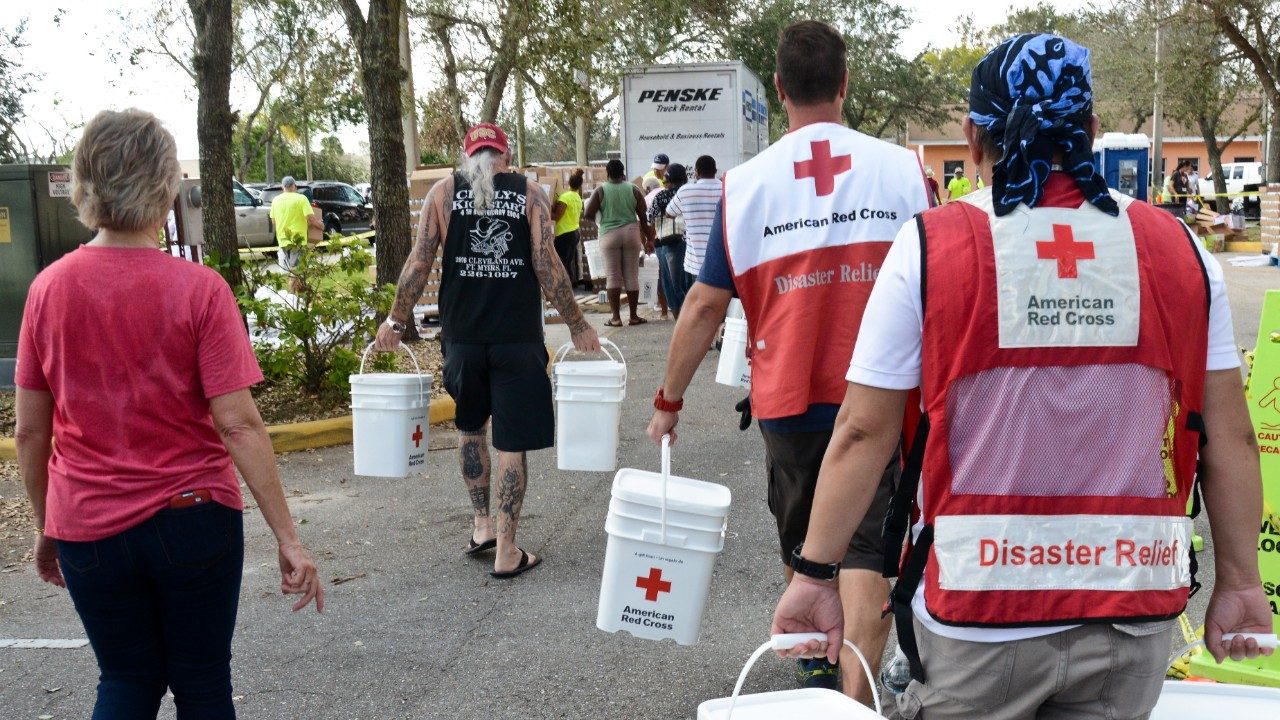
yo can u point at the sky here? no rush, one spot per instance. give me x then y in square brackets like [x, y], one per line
[73, 56]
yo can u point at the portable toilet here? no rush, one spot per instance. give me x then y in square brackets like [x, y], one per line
[1122, 159]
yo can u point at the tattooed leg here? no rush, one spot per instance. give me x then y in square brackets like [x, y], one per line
[473, 449]
[513, 471]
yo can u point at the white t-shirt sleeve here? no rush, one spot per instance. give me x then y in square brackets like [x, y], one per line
[887, 354]
[1222, 337]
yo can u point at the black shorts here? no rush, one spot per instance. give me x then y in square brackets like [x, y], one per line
[505, 381]
[792, 461]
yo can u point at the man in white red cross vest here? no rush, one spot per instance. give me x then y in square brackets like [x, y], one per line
[1074, 352]
[799, 236]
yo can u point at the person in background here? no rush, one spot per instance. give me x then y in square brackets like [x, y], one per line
[977, 178]
[567, 213]
[652, 187]
[959, 185]
[498, 263]
[624, 230]
[1007, 608]
[803, 289]
[934, 196]
[670, 243]
[696, 204]
[296, 223]
[127, 438]
[658, 169]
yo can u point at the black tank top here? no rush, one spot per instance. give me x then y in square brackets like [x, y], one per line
[488, 290]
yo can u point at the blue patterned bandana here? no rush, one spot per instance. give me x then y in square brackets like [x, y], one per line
[1032, 95]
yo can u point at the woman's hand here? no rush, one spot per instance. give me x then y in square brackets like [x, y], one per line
[299, 576]
[46, 554]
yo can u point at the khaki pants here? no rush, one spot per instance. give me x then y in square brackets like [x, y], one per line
[1093, 671]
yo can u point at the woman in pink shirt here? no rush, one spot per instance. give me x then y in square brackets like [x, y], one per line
[137, 507]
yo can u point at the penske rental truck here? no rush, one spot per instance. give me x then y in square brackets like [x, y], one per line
[690, 109]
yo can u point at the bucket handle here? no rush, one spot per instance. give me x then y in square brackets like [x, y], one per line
[790, 640]
[666, 477]
[400, 346]
[567, 347]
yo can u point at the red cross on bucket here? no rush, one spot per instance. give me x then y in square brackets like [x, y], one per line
[1065, 250]
[653, 584]
[417, 436]
[822, 167]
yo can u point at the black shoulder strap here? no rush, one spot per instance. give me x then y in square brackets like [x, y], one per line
[924, 260]
[897, 519]
[900, 600]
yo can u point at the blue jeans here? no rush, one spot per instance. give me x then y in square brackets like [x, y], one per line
[158, 602]
[672, 275]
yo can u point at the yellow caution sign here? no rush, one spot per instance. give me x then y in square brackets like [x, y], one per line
[1263, 395]
[6, 235]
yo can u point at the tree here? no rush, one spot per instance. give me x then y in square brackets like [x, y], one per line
[1253, 27]
[211, 62]
[14, 85]
[376, 39]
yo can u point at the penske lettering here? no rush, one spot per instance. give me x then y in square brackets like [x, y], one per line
[681, 95]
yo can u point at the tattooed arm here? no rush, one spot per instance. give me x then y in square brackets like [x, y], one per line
[432, 223]
[550, 271]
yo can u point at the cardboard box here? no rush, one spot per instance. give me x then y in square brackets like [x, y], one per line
[421, 180]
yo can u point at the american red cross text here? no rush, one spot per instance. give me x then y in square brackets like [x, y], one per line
[1065, 250]
[822, 167]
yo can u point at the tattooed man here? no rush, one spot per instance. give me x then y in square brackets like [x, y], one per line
[498, 243]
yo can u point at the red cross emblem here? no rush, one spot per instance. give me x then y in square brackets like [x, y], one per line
[1065, 250]
[417, 436]
[653, 584]
[822, 167]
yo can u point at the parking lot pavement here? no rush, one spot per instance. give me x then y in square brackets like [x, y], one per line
[415, 630]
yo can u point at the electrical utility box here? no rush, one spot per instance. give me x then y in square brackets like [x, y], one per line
[1122, 159]
[37, 226]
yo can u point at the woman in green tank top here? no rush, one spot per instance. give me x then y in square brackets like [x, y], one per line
[624, 233]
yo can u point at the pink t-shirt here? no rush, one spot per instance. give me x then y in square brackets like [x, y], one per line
[132, 343]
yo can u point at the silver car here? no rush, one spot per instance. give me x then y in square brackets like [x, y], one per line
[253, 219]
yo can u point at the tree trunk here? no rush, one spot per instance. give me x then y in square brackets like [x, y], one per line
[381, 78]
[1273, 145]
[211, 59]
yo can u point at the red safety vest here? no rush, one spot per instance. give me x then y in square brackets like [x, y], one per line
[1063, 375]
[807, 224]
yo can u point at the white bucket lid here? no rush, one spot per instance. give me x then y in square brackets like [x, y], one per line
[1184, 699]
[804, 702]
[390, 380]
[597, 368]
[684, 494]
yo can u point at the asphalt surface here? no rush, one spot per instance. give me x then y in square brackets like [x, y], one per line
[415, 630]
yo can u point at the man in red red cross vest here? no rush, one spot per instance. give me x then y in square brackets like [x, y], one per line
[800, 235]
[1073, 348]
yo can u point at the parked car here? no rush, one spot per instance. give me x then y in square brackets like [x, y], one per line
[253, 219]
[343, 209]
[366, 190]
[255, 188]
[1240, 177]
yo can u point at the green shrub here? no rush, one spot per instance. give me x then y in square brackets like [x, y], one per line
[312, 340]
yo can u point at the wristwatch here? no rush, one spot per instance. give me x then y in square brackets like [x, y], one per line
[665, 405]
[818, 571]
[397, 327]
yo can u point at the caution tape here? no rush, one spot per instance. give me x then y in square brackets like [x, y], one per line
[1181, 668]
[323, 243]
[1203, 196]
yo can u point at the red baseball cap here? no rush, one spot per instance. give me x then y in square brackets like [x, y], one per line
[484, 135]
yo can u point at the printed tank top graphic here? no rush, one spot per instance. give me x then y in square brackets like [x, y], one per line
[491, 248]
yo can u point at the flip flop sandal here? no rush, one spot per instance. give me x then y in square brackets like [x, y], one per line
[524, 566]
[610, 323]
[475, 548]
[637, 321]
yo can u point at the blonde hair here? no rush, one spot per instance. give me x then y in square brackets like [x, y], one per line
[126, 173]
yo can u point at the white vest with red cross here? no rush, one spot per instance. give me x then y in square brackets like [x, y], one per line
[807, 224]
[1063, 376]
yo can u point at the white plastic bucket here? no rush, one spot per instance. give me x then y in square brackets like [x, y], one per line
[735, 310]
[389, 420]
[648, 280]
[803, 703]
[1180, 700]
[665, 534]
[595, 258]
[733, 369]
[589, 397]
